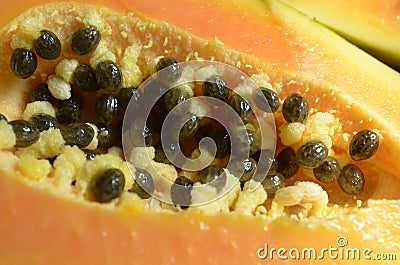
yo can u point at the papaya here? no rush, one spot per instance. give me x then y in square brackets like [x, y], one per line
[44, 221]
[366, 24]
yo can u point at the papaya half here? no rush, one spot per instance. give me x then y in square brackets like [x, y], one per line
[49, 214]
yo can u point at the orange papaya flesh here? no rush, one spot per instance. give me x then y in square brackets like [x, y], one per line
[53, 229]
[43, 196]
[372, 25]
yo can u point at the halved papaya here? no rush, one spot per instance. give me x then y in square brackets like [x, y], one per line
[43, 224]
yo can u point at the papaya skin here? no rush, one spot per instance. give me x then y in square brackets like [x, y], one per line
[96, 234]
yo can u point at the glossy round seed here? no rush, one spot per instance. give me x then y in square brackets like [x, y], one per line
[90, 154]
[23, 63]
[222, 140]
[160, 156]
[351, 180]
[42, 93]
[295, 108]
[130, 95]
[25, 132]
[107, 108]
[180, 192]
[84, 78]
[266, 99]
[78, 134]
[213, 174]
[189, 129]
[328, 171]
[142, 134]
[108, 185]
[218, 134]
[311, 154]
[85, 40]
[2, 117]
[107, 135]
[170, 75]
[69, 111]
[143, 185]
[364, 145]
[44, 122]
[241, 106]
[249, 141]
[157, 115]
[287, 165]
[154, 90]
[272, 182]
[215, 87]
[255, 141]
[108, 76]
[47, 46]
[274, 166]
[246, 166]
[174, 97]
[266, 163]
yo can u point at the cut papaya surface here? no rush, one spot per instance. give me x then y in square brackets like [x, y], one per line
[45, 221]
[280, 35]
